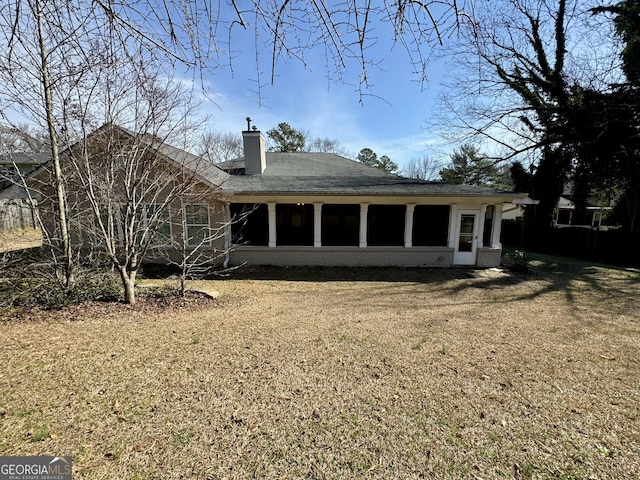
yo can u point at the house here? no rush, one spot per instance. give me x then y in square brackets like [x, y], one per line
[319, 209]
[323, 209]
[564, 212]
[17, 207]
[566, 207]
[14, 167]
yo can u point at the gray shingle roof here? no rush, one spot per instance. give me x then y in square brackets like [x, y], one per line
[202, 168]
[198, 165]
[321, 173]
[20, 158]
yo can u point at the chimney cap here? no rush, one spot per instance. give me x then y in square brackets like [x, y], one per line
[249, 127]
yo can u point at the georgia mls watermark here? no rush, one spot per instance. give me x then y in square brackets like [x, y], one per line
[35, 468]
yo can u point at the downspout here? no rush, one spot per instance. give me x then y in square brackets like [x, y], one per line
[227, 235]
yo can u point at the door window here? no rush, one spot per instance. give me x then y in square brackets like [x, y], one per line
[466, 233]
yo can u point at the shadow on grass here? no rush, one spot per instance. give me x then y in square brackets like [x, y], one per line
[550, 274]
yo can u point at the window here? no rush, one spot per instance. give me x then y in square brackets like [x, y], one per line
[564, 217]
[597, 219]
[250, 224]
[340, 225]
[157, 219]
[431, 225]
[122, 159]
[294, 224]
[488, 226]
[465, 241]
[385, 225]
[197, 225]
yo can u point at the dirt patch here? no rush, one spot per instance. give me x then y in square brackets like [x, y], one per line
[391, 373]
[149, 301]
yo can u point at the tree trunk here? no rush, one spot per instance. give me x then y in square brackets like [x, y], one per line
[129, 284]
[55, 156]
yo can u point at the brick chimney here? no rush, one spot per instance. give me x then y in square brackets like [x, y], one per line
[255, 160]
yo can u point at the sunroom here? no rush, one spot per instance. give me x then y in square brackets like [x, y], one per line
[323, 209]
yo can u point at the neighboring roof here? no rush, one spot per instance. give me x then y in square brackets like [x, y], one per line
[329, 174]
[21, 158]
[566, 202]
[26, 164]
[526, 201]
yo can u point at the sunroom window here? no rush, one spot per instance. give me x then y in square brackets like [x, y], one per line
[294, 224]
[431, 225]
[249, 224]
[340, 225]
[385, 225]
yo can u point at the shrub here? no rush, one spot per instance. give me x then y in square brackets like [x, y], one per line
[517, 261]
[42, 290]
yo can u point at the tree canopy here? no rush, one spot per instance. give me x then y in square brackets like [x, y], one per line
[470, 167]
[285, 138]
[370, 158]
[553, 96]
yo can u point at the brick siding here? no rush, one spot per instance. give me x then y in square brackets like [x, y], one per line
[344, 256]
[489, 257]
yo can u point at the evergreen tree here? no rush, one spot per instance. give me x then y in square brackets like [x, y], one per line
[287, 139]
[469, 167]
[370, 158]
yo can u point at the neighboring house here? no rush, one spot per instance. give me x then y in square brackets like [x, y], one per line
[17, 209]
[323, 209]
[564, 214]
[13, 168]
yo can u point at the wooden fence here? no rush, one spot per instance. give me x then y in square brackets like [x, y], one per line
[16, 214]
[615, 246]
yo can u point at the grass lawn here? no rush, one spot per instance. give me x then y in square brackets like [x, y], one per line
[17, 239]
[329, 373]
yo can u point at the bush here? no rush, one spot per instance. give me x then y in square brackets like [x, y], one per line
[43, 290]
[517, 261]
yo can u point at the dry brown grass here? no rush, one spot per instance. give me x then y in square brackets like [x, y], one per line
[339, 374]
[18, 239]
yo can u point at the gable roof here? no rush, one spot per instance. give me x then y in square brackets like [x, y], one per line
[200, 167]
[329, 174]
[207, 171]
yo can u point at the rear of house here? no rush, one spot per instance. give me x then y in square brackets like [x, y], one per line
[297, 209]
[322, 209]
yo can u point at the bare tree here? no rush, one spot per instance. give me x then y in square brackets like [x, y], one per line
[21, 138]
[524, 73]
[38, 60]
[516, 62]
[327, 145]
[132, 183]
[218, 147]
[425, 168]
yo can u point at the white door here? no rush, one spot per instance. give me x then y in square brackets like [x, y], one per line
[467, 233]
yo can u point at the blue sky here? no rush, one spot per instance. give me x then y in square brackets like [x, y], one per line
[391, 122]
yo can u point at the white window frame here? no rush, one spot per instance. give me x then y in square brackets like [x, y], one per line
[206, 227]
